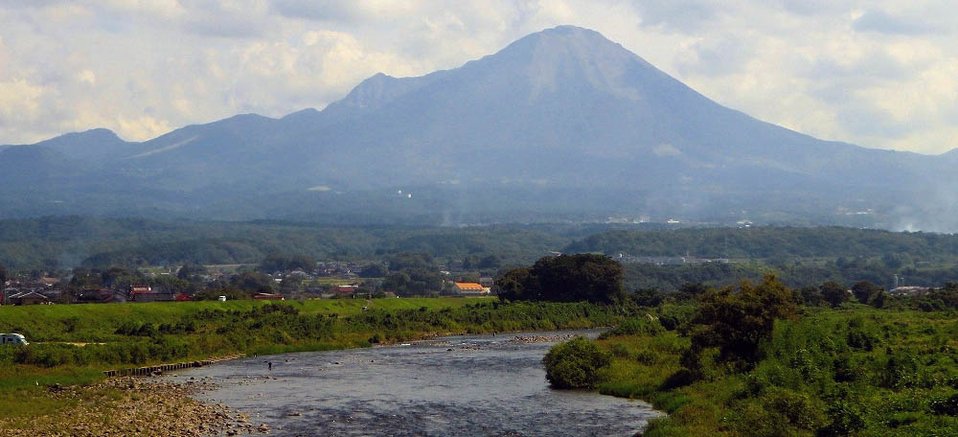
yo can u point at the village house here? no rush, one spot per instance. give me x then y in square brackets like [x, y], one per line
[470, 289]
[102, 295]
[268, 296]
[29, 297]
[344, 289]
[145, 293]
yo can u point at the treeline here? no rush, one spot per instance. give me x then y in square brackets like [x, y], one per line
[798, 256]
[54, 243]
[771, 243]
[795, 273]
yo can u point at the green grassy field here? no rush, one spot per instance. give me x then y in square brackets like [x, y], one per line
[98, 322]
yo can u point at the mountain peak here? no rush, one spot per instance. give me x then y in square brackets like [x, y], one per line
[562, 124]
[98, 135]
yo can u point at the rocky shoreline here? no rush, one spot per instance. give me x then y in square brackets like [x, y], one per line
[132, 406]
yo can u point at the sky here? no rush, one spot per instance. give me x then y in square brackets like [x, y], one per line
[880, 73]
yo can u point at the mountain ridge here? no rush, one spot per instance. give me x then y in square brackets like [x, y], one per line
[562, 124]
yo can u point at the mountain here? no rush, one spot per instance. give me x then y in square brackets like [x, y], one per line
[561, 125]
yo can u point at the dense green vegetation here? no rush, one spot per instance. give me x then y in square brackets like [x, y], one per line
[747, 361]
[771, 243]
[798, 256]
[565, 278]
[52, 243]
[575, 364]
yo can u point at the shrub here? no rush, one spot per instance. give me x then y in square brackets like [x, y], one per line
[901, 370]
[645, 357]
[643, 325]
[846, 418]
[619, 350]
[575, 364]
[798, 408]
[945, 406]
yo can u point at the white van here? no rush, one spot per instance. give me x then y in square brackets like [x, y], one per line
[13, 339]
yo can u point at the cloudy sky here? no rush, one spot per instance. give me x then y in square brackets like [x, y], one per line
[880, 73]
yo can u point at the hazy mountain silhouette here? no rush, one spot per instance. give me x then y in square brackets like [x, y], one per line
[560, 125]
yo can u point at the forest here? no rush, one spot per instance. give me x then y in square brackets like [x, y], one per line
[653, 257]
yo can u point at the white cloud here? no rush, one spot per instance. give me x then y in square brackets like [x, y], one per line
[879, 73]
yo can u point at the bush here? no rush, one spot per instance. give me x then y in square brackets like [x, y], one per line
[846, 418]
[575, 364]
[799, 409]
[945, 406]
[643, 325]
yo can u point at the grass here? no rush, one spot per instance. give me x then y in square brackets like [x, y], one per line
[849, 371]
[98, 322]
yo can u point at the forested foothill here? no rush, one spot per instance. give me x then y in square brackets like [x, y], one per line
[654, 258]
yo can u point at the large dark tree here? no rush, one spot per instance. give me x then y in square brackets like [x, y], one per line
[252, 282]
[865, 291]
[834, 293]
[284, 263]
[737, 320]
[565, 278]
[511, 285]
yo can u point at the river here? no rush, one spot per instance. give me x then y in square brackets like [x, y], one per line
[451, 386]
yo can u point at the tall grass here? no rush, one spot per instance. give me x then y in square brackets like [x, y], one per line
[849, 371]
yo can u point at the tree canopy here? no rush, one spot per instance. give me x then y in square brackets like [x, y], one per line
[565, 278]
[737, 319]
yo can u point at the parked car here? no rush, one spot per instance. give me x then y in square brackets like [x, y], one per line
[13, 338]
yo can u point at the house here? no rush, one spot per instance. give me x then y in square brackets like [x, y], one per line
[268, 296]
[345, 290]
[103, 295]
[470, 289]
[28, 298]
[144, 293]
[909, 290]
[140, 289]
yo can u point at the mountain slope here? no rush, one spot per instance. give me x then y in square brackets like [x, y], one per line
[560, 125]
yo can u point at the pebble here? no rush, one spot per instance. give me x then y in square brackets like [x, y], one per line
[128, 406]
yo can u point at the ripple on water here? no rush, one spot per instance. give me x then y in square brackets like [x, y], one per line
[482, 386]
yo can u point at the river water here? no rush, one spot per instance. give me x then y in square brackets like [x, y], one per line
[452, 386]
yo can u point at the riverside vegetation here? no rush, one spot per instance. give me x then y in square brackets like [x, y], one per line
[124, 335]
[755, 360]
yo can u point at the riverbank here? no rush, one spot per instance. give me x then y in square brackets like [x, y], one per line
[131, 406]
[143, 335]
